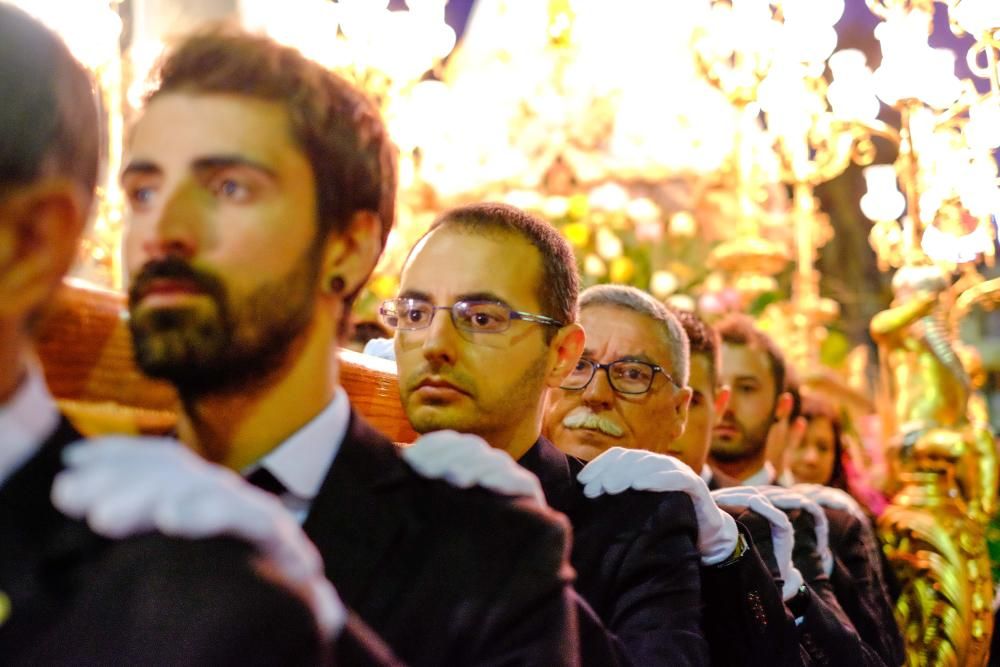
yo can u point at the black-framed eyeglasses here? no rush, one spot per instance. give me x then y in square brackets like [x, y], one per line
[470, 316]
[625, 376]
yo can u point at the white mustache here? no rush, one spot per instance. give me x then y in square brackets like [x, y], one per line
[583, 418]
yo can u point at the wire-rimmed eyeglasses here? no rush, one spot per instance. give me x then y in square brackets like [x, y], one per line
[625, 376]
[406, 314]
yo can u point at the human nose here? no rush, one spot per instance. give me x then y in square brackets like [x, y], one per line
[810, 456]
[598, 394]
[440, 339]
[171, 231]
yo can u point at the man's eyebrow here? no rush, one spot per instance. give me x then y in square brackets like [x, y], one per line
[415, 294]
[140, 167]
[643, 357]
[215, 162]
[483, 296]
[203, 164]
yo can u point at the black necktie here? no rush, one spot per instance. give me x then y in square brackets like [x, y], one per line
[263, 479]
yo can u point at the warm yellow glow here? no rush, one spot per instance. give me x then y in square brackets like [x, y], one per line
[910, 68]
[852, 92]
[883, 200]
[983, 130]
[663, 284]
[90, 28]
[977, 16]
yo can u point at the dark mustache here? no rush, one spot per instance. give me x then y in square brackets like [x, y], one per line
[176, 269]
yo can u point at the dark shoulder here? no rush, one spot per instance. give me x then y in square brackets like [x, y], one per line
[634, 509]
[473, 513]
[153, 589]
[842, 524]
[642, 510]
[479, 512]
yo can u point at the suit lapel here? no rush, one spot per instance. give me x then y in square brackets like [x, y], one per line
[362, 510]
[24, 498]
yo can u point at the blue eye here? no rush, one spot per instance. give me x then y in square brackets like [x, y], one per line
[141, 197]
[231, 189]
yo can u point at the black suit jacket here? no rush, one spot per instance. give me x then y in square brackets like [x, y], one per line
[446, 576]
[826, 632]
[746, 620]
[636, 559]
[860, 587]
[826, 635]
[77, 598]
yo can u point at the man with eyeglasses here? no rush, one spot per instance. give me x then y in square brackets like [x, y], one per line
[485, 326]
[628, 408]
[630, 393]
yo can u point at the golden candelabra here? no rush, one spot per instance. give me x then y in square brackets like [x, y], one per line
[939, 444]
[945, 468]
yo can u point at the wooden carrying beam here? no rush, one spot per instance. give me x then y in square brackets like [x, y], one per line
[83, 343]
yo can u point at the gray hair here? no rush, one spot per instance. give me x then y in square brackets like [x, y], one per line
[630, 298]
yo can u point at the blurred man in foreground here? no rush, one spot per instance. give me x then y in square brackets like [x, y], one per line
[67, 594]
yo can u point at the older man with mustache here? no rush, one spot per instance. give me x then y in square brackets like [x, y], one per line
[615, 404]
[632, 338]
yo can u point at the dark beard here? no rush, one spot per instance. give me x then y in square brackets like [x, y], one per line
[752, 445]
[229, 347]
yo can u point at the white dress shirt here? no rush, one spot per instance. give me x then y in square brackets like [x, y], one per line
[302, 461]
[26, 422]
[706, 474]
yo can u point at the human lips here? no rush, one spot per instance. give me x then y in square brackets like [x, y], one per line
[434, 386]
[171, 280]
[726, 430]
[164, 291]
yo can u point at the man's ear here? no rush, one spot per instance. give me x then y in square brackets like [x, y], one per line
[40, 229]
[565, 350]
[722, 394]
[681, 402]
[350, 255]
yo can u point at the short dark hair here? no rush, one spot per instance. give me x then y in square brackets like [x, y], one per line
[339, 129]
[559, 285]
[702, 340]
[738, 329]
[48, 117]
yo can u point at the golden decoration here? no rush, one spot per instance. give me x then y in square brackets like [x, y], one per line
[943, 458]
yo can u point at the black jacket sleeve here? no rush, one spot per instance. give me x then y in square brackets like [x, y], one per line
[746, 622]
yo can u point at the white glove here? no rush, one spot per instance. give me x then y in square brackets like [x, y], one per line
[466, 460]
[618, 469]
[788, 499]
[383, 348]
[782, 534]
[124, 486]
[828, 496]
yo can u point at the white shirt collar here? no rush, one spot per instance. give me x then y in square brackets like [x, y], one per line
[763, 477]
[26, 422]
[706, 474]
[302, 461]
